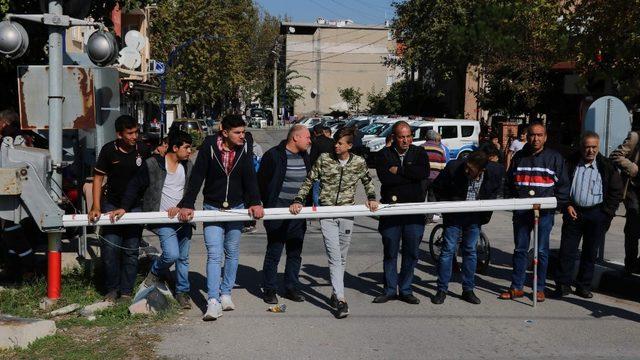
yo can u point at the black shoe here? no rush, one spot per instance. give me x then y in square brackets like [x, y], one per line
[561, 291]
[439, 297]
[184, 300]
[270, 296]
[470, 297]
[112, 296]
[342, 310]
[381, 299]
[294, 295]
[333, 301]
[583, 293]
[409, 299]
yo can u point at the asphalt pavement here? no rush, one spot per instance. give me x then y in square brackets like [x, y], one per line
[601, 327]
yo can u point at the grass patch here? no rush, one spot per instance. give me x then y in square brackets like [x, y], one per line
[114, 334]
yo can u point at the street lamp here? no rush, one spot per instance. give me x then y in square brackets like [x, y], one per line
[14, 40]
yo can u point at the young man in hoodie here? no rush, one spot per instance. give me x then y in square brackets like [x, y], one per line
[227, 170]
[338, 174]
[162, 183]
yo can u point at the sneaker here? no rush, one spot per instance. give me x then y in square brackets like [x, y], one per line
[214, 310]
[151, 280]
[227, 304]
[583, 292]
[249, 229]
[270, 296]
[184, 300]
[439, 297]
[112, 296]
[342, 310]
[381, 299]
[470, 297]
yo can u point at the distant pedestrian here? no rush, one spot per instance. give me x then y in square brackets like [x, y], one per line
[596, 192]
[402, 170]
[437, 162]
[515, 146]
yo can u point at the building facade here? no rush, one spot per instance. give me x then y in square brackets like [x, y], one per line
[330, 56]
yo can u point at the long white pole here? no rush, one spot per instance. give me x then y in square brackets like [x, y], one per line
[323, 212]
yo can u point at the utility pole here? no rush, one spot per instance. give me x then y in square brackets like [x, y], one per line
[55, 142]
[275, 84]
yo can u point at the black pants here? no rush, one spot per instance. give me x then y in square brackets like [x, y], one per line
[590, 226]
[289, 234]
[631, 235]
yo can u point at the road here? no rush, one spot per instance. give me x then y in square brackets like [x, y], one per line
[602, 327]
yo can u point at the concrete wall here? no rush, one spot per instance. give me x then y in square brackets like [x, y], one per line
[334, 58]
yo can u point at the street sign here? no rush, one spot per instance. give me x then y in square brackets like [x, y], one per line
[609, 118]
[157, 67]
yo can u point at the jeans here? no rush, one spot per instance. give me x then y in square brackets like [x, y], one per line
[315, 191]
[175, 241]
[522, 227]
[222, 238]
[290, 235]
[470, 235]
[336, 234]
[409, 229]
[591, 225]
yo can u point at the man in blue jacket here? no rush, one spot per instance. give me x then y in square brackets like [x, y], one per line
[535, 171]
[283, 169]
[472, 178]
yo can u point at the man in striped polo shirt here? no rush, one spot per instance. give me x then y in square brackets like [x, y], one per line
[535, 171]
[596, 192]
[282, 171]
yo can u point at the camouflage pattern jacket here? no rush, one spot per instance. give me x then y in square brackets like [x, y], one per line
[337, 183]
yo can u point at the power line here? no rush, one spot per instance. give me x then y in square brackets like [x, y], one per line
[326, 8]
[342, 53]
[359, 11]
[342, 43]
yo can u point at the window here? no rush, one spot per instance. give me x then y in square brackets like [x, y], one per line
[467, 131]
[423, 132]
[448, 132]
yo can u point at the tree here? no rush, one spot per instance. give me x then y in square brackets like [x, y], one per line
[515, 42]
[605, 42]
[288, 93]
[352, 96]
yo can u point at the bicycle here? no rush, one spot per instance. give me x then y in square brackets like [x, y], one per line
[483, 249]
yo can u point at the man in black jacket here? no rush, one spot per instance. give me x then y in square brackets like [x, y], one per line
[321, 142]
[229, 177]
[402, 169]
[282, 171]
[596, 192]
[472, 178]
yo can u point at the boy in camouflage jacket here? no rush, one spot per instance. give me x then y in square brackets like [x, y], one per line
[338, 174]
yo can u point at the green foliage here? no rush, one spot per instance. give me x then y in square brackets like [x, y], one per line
[610, 28]
[290, 94]
[352, 96]
[406, 97]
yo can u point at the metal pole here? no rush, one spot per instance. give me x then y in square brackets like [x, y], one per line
[275, 86]
[55, 141]
[536, 221]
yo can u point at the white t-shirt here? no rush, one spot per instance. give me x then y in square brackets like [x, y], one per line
[516, 145]
[173, 188]
[343, 162]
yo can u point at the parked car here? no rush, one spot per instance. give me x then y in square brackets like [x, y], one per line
[310, 122]
[191, 126]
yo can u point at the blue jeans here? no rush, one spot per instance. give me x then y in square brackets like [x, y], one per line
[175, 241]
[522, 227]
[222, 238]
[289, 234]
[120, 265]
[408, 229]
[315, 191]
[470, 234]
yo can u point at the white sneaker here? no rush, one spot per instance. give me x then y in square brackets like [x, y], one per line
[227, 304]
[214, 310]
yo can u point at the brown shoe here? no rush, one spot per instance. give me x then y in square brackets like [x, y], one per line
[540, 296]
[511, 294]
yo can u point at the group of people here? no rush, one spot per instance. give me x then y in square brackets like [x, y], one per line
[587, 187]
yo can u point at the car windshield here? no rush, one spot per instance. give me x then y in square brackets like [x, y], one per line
[373, 129]
[387, 131]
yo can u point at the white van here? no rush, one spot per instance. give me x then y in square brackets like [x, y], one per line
[459, 135]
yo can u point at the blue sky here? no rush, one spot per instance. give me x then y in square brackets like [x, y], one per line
[360, 11]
